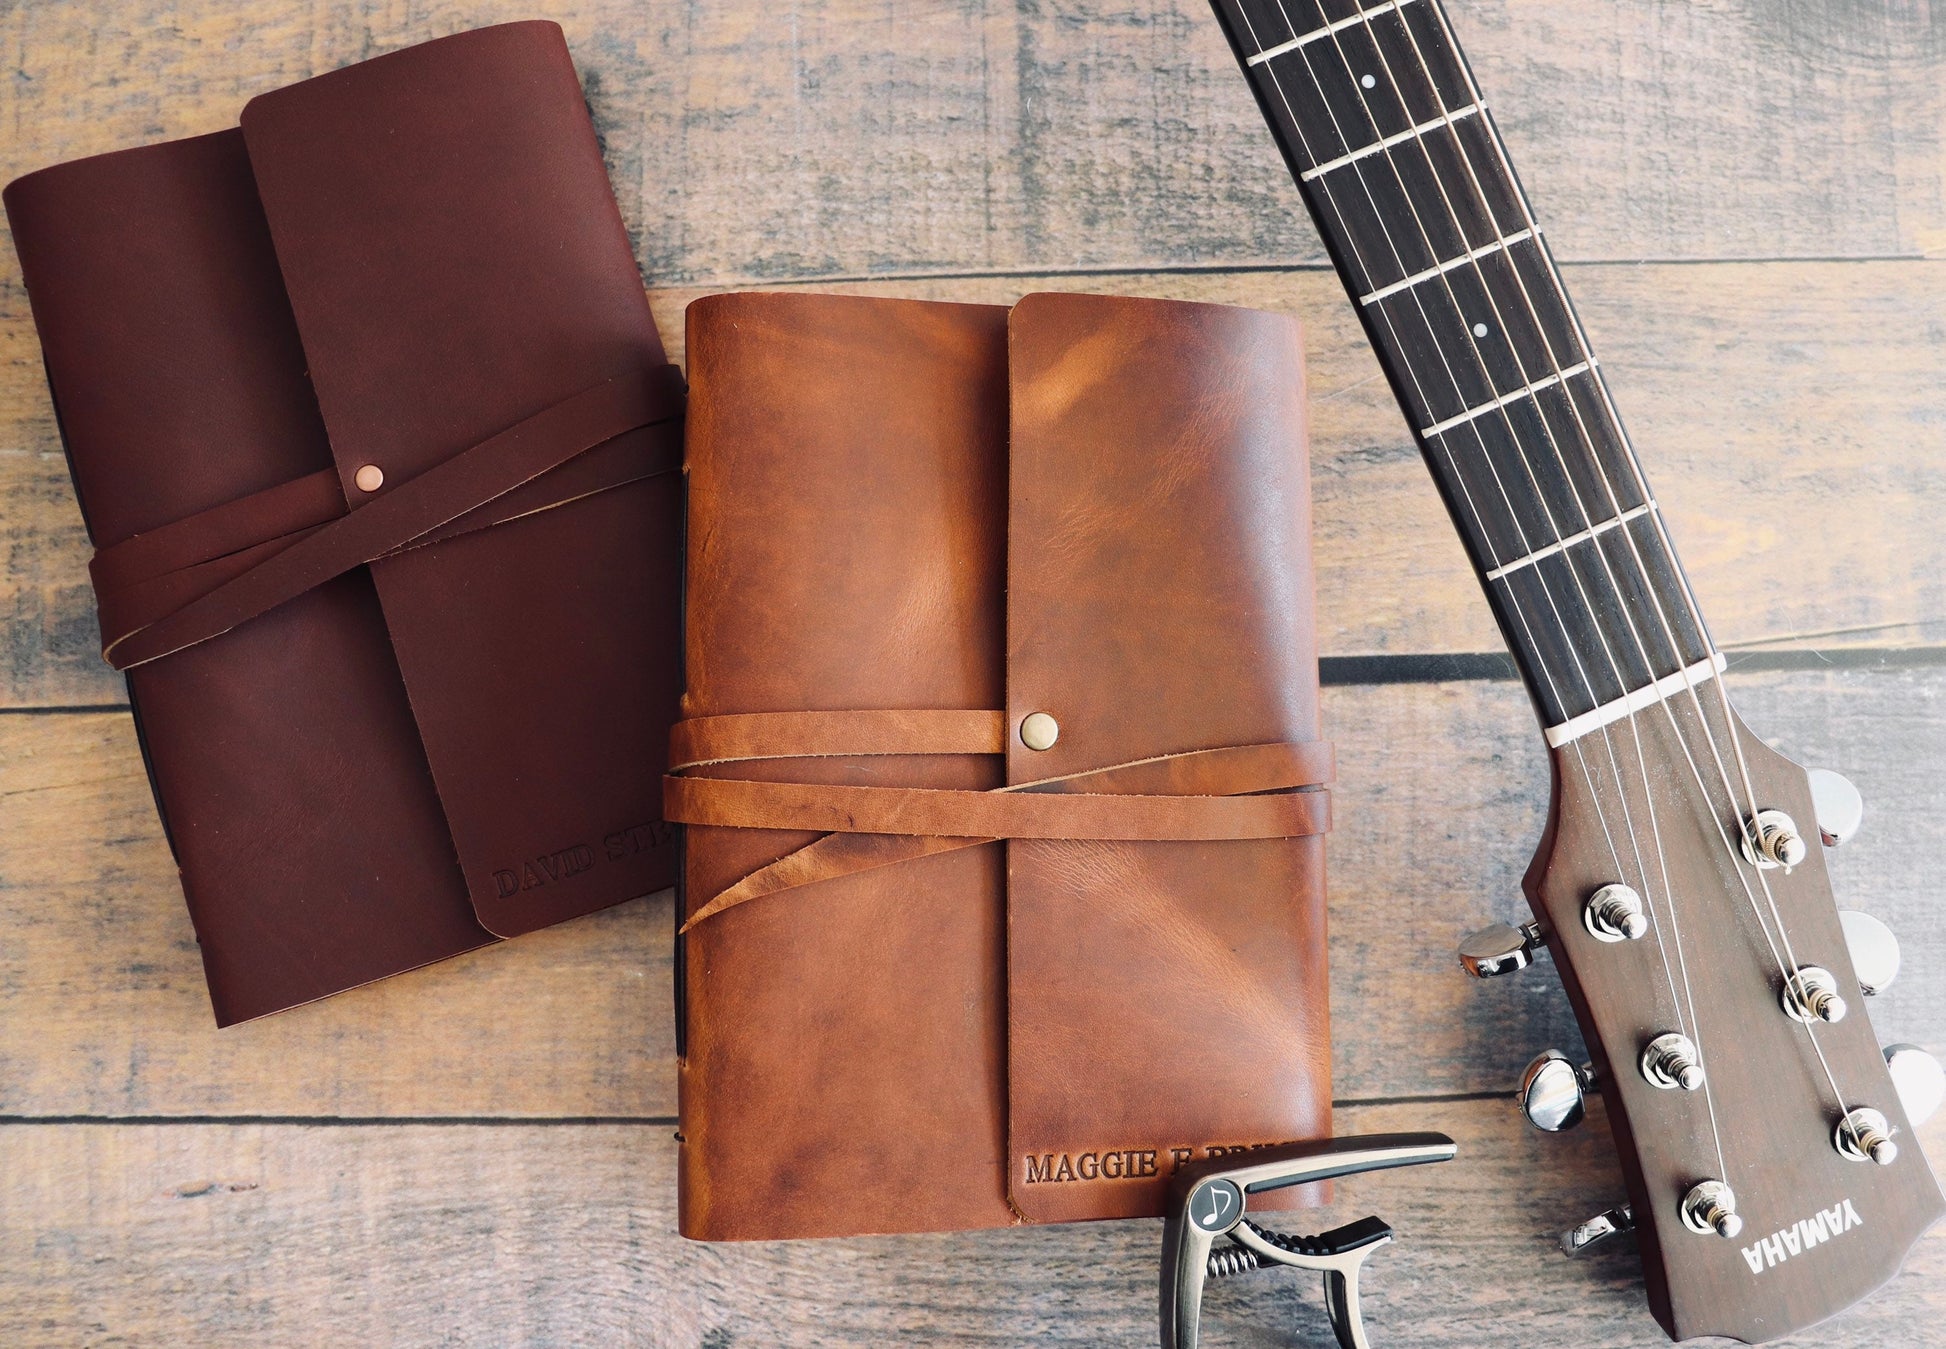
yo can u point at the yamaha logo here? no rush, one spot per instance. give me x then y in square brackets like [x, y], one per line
[1801, 1236]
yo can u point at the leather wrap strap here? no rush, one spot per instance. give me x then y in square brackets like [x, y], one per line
[800, 735]
[1236, 792]
[174, 587]
[232, 527]
[951, 813]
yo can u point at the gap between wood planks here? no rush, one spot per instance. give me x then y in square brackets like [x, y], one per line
[529, 1121]
[1440, 668]
[758, 282]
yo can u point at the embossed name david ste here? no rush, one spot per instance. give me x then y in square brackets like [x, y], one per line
[1050, 1168]
[566, 863]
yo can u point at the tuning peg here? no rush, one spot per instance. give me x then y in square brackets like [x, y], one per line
[1500, 949]
[1606, 1224]
[1811, 994]
[1840, 809]
[1920, 1081]
[1874, 950]
[1554, 1092]
[1865, 1135]
[1711, 1206]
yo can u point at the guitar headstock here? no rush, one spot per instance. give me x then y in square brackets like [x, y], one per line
[1726, 1024]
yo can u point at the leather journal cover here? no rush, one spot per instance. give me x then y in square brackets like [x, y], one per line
[378, 447]
[999, 766]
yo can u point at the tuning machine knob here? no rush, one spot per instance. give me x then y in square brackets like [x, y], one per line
[1554, 1092]
[1874, 950]
[1608, 1223]
[1500, 949]
[1919, 1079]
[1839, 806]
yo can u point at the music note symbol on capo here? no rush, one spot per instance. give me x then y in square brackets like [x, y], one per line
[1221, 1204]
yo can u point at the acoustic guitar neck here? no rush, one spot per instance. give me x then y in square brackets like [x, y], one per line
[1406, 176]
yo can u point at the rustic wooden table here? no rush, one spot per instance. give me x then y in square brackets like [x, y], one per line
[1750, 200]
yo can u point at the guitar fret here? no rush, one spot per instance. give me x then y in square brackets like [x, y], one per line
[1410, 133]
[1442, 257]
[1318, 33]
[1494, 405]
[1630, 703]
[1562, 545]
[1416, 278]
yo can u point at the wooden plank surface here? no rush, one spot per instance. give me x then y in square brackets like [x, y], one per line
[458, 1234]
[844, 137]
[1747, 194]
[1441, 796]
[1772, 403]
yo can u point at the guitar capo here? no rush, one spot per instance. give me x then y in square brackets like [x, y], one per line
[1210, 1199]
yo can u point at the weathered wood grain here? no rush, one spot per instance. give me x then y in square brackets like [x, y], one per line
[1441, 798]
[1788, 415]
[848, 136]
[255, 1234]
[1787, 411]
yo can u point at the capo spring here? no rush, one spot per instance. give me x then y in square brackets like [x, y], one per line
[1233, 1260]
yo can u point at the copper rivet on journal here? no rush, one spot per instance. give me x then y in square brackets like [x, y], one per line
[1039, 731]
[369, 478]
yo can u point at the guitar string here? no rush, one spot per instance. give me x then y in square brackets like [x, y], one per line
[1687, 996]
[1608, 485]
[1633, 463]
[1690, 1025]
[1649, 587]
[1630, 459]
[1546, 674]
[1488, 545]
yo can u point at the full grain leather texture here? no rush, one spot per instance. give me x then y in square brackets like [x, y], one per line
[840, 1068]
[848, 1010]
[416, 264]
[1161, 995]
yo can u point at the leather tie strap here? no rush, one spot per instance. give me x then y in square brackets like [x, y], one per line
[149, 576]
[801, 735]
[222, 530]
[950, 813]
[195, 580]
[1200, 794]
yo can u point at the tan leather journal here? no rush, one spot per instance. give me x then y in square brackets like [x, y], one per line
[1004, 878]
[378, 447]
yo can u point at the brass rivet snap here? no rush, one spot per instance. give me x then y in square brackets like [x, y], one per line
[1039, 731]
[369, 478]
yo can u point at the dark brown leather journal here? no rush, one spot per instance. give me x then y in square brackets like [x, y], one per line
[1004, 887]
[377, 443]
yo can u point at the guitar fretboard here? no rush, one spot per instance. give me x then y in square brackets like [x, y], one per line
[1398, 159]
